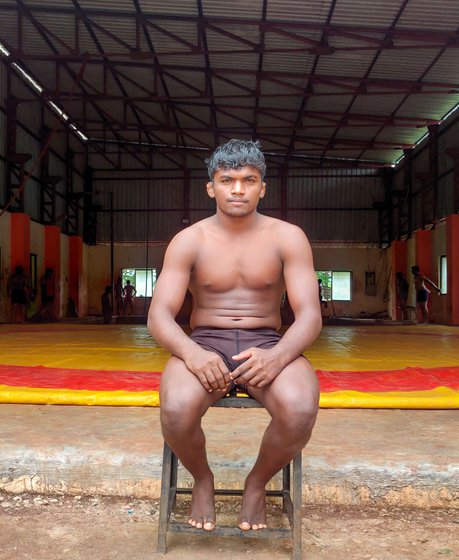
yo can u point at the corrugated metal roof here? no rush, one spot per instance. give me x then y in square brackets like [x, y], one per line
[337, 58]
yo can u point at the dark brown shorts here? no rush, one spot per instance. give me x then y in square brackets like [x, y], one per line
[229, 342]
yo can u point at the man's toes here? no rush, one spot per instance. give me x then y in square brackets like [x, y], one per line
[245, 526]
[199, 523]
[209, 526]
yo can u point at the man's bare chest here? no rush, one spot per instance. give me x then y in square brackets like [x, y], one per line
[230, 266]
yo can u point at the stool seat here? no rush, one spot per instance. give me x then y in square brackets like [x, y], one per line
[290, 493]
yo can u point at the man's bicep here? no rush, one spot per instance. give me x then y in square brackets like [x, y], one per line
[299, 274]
[172, 284]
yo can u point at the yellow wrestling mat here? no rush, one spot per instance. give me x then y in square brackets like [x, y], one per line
[414, 366]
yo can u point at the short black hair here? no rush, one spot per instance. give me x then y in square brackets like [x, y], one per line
[236, 154]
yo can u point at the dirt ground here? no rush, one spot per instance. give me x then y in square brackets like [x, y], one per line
[88, 528]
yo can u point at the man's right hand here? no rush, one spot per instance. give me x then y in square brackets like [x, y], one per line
[210, 369]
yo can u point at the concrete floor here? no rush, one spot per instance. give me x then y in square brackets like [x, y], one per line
[389, 457]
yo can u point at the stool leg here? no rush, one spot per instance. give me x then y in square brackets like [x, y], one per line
[165, 504]
[297, 503]
[174, 473]
[285, 486]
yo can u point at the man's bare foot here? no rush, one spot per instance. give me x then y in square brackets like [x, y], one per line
[253, 510]
[202, 515]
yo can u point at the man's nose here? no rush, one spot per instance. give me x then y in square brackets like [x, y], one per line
[238, 187]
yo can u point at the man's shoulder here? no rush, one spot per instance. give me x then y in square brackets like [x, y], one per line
[189, 239]
[278, 227]
[192, 232]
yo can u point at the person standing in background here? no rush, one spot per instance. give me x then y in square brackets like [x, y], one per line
[401, 285]
[17, 290]
[129, 292]
[422, 293]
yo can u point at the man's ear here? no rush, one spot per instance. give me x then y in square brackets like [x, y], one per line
[210, 189]
[263, 190]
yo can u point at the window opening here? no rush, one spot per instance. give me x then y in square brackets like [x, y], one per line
[143, 280]
[443, 274]
[336, 284]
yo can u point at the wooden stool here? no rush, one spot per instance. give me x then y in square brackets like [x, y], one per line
[291, 494]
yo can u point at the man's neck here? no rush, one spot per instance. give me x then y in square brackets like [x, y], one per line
[238, 224]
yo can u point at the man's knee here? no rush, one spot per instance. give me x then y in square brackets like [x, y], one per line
[299, 412]
[180, 412]
[304, 415]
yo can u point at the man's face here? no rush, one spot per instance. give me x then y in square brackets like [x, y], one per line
[237, 191]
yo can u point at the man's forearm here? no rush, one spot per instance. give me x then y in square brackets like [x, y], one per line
[166, 331]
[298, 338]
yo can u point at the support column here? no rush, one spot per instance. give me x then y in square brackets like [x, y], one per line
[398, 264]
[75, 269]
[53, 260]
[452, 259]
[20, 241]
[423, 239]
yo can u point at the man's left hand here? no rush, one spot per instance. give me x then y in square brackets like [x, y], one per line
[261, 367]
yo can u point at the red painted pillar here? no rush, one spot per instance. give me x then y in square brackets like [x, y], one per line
[398, 264]
[75, 269]
[452, 260]
[20, 241]
[53, 260]
[423, 238]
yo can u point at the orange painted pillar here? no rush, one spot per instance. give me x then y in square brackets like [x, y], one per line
[452, 260]
[398, 264]
[423, 238]
[75, 269]
[20, 241]
[53, 260]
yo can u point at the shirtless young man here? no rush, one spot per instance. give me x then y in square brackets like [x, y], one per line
[237, 264]
[422, 293]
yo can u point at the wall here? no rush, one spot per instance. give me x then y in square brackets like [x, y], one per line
[37, 246]
[83, 310]
[328, 204]
[358, 260]
[31, 119]
[126, 255]
[438, 310]
[64, 276]
[4, 265]
[437, 303]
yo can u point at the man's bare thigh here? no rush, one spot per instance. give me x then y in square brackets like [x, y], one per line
[296, 381]
[179, 384]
